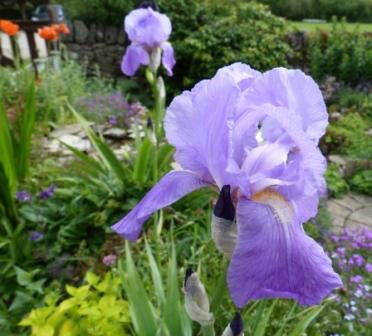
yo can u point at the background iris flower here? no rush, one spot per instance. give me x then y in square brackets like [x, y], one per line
[258, 134]
[149, 31]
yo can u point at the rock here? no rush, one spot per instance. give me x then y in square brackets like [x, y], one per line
[111, 35]
[114, 133]
[69, 129]
[76, 142]
[92, 34]
[369, 132]
[349, 166]
[335, 116]
[122, 38]
[81, 32]
[330, 87]
[100, 33]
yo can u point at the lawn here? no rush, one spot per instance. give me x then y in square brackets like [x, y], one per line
[363, 27]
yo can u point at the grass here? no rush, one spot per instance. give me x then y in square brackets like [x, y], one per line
[363, 27]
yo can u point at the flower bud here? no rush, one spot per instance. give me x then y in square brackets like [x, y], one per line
[196, 300]
[236, 327]
[224, 229]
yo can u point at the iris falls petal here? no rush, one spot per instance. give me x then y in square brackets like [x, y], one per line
[168, 190]
[274, 257]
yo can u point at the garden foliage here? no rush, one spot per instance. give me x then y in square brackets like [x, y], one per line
[346, 55]
[93, 309]
[355, 10]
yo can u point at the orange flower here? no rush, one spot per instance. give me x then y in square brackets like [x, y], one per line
[61, 28]
[9, 27]
[48, 33]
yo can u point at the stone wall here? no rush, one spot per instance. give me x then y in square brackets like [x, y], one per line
[95, 44]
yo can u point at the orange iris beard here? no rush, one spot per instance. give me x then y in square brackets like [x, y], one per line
[9, 27]
[48, 33]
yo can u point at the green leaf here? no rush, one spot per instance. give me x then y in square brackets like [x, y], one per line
[20, 300]
[107, 155]
[156, 277]
[91, 165]
[142, 164]
[165, 156]
[27, 126]
[171, 307]
[306, 320]
[264, 321]
[23, 278]
[7, 152]
[140, 305]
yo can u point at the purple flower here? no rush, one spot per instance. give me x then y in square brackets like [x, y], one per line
[356, 279]
[341, 251]
[358, 259]
[109, 260]
[113, 120]
[368, 268]
[23, 196]
[47, 193]
[253, 136]
[149, 31]
[36, 235]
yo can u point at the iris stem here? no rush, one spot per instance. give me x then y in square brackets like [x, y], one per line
[208, 330]
[220, 289]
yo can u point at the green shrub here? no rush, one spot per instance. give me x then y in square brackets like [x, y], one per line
[209, 35]
[345, 55]
[348, 137]
[94, 309]
[336, 185]
[98, 11]
[356, 10]
[362, 182]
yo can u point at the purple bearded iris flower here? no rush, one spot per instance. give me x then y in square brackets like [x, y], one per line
[149, 31]
[253, 136]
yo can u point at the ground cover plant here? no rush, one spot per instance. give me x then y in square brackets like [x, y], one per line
[247, 139]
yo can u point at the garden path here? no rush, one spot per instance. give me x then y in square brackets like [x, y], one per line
[351, 211]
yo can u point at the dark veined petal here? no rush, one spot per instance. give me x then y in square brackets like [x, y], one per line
[274, 258]
[168, 190]
[134, 56]
[147, 27]
[168, 58]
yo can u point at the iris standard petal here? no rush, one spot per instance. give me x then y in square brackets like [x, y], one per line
[274, 258]
[134, 56]
[196, 123]
[296, 91]
[242, 73]
[147, 27]
[168, 59]
[168, 190]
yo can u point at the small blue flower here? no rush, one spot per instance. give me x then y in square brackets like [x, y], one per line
[23, 196]
[35, 236]
[47, 193]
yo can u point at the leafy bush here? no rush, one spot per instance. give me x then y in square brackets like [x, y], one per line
[356, 10]
[362, 182]
[53, 89]
[337, 186]
[94, 309]
[346, 55]
[209, 35]
[348, 136]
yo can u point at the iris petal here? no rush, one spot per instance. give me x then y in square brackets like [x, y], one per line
[135, 55]
[274, 257]
[168, 58]
[168, 190]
